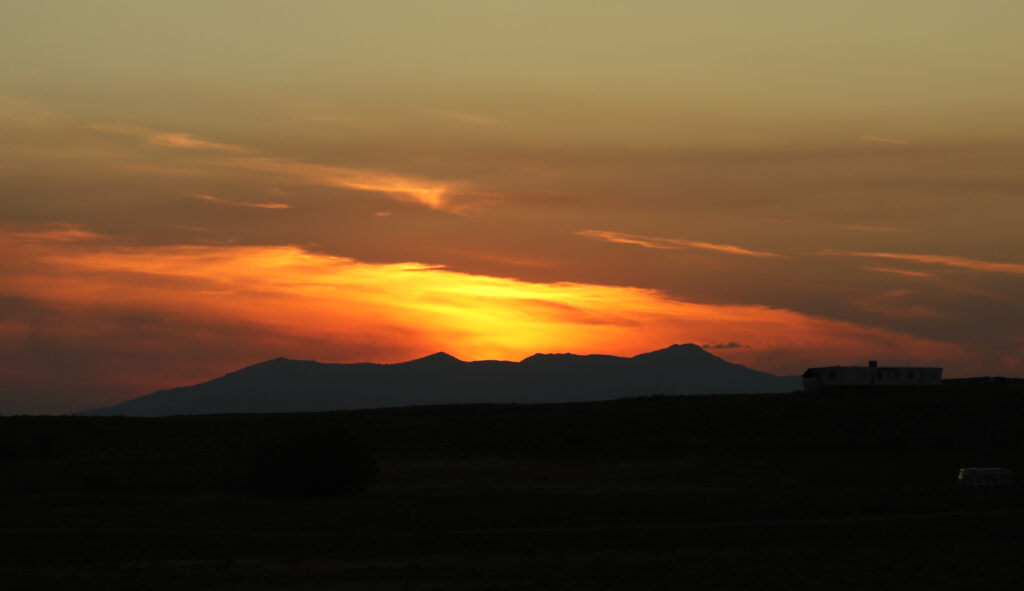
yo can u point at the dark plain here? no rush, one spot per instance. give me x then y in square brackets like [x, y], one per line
[844, 490]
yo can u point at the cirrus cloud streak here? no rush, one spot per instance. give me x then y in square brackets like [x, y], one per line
[429, 193]
[166, 139]
[935, 259]
[671, 243]
[212, 199]
[434, 194]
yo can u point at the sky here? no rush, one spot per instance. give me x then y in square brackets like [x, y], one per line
[187, 188]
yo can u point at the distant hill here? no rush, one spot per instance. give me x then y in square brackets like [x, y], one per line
[285, 385]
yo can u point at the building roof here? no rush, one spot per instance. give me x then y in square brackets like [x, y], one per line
[812, 371]
[874, 367]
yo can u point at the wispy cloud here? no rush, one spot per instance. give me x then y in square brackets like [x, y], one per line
[885, 140]
[493, 257]
[853, 227]
[935, 259]
[170, 171]
[898, 303]
[623, 238]
[729, 249]
[471, 119]
[906, 272]
[426, 192]
[168, 139]
[58, 233]
[21, 114]
[671, 243]
[433, 194]
[185, 140]
[213, 199]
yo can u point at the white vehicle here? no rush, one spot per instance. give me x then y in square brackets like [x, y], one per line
[985, 477]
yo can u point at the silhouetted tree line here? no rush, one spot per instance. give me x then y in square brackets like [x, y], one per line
[312, 464]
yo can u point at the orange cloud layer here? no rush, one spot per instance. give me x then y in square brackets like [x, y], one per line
[671, 243]
[286, 290]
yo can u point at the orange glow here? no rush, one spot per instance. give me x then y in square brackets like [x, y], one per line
[419, 309]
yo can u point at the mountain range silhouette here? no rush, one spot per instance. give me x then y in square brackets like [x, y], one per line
[286, 385]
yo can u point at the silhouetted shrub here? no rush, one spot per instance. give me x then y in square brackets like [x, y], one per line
[312, 464]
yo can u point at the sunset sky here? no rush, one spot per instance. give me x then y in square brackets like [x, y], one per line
[187, 187]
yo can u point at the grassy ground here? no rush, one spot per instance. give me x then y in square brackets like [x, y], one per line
[842, 491]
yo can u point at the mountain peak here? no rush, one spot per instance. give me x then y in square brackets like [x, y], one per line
[287, 385]
[688, 349]
[274, 361]
[268, 365]
[439, 357]
[549, 357]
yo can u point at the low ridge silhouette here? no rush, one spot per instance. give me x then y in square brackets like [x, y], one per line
[286, 385]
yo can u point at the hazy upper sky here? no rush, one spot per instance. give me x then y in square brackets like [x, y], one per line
[190, 187]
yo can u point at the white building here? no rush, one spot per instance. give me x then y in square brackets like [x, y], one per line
[839, 376]
[985, 477]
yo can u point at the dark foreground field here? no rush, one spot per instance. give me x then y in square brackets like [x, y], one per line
[790, 491]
